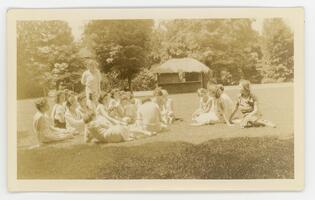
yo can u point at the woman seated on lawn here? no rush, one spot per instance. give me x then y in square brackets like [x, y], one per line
[217, 110]
[73, 118]
[168, 110]
[247, 103]
[114, 108]
[135, 101]
[92, 102]
[101, 132]
[82, 108]
[227, 101]
[58, 110]
[42, 127]
[132, 106]
[149, 117]
[102, 110]
[204, 105]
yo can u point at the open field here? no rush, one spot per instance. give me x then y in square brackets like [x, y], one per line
[213, 152]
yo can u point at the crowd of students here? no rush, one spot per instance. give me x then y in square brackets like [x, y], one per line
[114, 116]
[217, 107]
[117, 116]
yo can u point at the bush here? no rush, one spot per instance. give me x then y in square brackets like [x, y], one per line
[145, 80]
[279, 73]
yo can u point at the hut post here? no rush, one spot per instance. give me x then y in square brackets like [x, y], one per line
[201, 79]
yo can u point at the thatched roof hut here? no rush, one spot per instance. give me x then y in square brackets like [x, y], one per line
[180, 75]
[179, 65]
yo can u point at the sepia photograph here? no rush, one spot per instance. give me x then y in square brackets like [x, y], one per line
[206, 96]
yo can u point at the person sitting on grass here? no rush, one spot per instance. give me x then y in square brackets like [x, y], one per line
[226, 100]
[168, 108]
[217, 113]
[114, 108]
[247, 103]
[82, 108]
[158, 98]
[132, 106]
[92, 102]
[58, 110]
[204, 106]
[102, 110]
[73, 118]
[100, 132]
[149, 117]
[42, 127]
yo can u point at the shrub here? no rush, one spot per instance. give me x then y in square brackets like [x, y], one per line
[145, 80]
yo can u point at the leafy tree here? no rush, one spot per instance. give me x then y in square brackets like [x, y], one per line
[278, 50]
[227, 46]
[119, 45]
[46, 56]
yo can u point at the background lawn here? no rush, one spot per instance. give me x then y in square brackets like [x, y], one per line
[216, 152]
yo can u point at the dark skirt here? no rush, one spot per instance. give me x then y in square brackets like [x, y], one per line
[59, 124]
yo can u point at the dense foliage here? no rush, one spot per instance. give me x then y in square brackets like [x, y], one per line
[228, 46]
[277, 46]
[47, 54]
[120, 46]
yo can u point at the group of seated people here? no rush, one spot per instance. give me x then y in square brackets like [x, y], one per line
[109, 117]
[217, 107]
[118, 116]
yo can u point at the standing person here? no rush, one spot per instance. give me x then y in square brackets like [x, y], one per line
[247, 103]
[42, 127]
[91, 78]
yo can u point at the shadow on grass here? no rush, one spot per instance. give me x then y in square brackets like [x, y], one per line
[235, 158]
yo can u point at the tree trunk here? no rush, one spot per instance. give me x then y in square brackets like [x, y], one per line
[129, 84]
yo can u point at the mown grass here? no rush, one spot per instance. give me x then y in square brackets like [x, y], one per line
[184, 152]
[235, 158]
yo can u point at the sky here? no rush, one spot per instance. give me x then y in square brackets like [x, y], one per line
[77, 26]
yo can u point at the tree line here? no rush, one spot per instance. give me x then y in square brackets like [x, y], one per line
[48, 55]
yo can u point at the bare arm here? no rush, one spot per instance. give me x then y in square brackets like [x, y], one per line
[226, 119]
[255, 109]
[234, 111]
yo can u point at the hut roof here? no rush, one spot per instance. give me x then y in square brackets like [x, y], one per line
[177, 65]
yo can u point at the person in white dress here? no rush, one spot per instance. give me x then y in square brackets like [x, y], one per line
[91, 78]
[200, 116]
[45, 132]
[217, 111]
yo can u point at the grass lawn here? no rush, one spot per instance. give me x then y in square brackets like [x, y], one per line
[208, 152]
